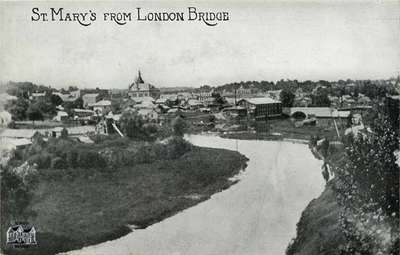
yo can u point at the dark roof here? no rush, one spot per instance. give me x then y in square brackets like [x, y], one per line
[26, 228]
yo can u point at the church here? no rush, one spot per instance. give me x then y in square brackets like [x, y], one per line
[139, 89]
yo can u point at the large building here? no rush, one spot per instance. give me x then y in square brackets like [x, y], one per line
[139, 89]
[262, 107]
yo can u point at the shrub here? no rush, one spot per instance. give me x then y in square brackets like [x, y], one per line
[90, 159]
[64, 133]
[151, 130]
[179, 126]
[132, 125]
[177, 146]
[58, 163]
[43, 160]
[72, 158]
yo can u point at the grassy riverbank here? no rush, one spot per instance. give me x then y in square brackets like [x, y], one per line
[81, 206]
[318, 230]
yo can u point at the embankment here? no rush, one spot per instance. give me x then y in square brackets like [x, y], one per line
[318, 231]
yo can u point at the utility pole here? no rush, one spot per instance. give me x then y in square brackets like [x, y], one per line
[235, 98]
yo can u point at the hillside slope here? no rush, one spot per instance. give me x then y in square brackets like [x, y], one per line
[318, 230]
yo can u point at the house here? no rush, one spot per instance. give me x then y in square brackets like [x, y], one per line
[139, 89]
[144, 102]
[90, 98]
[235, 111]
[36, 95]
[162, 100]
[17, 133]
[347, 101]
[68, 97]
[262, 107]
[148, 114]
[194, 104]
[299, 93]
[243, 92]
[162, 108]
[274, 94]
[363, 100]
[61, 116]
[14, 143]
[101, 107]
[203, 94]
[227, 93]
[302, 102]
[81, 113]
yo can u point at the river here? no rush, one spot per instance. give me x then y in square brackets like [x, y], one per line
[258, 215]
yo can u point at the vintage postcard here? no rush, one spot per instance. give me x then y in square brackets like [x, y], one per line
[199, 127]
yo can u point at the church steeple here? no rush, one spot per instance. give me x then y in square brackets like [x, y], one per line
[139, 78]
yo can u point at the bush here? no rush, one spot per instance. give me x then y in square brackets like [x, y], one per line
[58, 163]
[179, 126]
[151, 131]
[43, 160]
[90, 159]
[64, 133]
[72, 158]
[177, 146]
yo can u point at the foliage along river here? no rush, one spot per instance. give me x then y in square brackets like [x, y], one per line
[258, 215]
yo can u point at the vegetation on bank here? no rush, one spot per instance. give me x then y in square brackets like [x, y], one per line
[363, 196]
[80, 194]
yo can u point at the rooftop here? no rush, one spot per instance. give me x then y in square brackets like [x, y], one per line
[102, 103]
[261, 100]
[91, 95]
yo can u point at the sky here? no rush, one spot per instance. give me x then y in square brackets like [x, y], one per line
[263, 40]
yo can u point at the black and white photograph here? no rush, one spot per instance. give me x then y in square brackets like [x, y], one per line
[261, 127]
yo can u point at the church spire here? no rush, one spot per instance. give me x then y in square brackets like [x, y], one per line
[139, 78]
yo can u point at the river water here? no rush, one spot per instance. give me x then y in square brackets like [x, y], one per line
[258, 215]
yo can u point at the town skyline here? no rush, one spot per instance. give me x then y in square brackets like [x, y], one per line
[303, 41]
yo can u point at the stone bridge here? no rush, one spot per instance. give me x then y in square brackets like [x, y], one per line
[319, 112]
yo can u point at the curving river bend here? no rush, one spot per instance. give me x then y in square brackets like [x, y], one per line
[258, 215]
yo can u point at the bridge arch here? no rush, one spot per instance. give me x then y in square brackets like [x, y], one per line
[299, 115]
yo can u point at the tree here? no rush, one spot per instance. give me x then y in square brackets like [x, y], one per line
[18, 108]
[287, 98]
[78, 103]
[368, 192]
[64, 133]
[132, 125]
[46, 107]
[218, 98]
[34, 113]
[179, 126]
[370, 179]
[69, 106]
[321, 100]
[55, 100]
[73, 88]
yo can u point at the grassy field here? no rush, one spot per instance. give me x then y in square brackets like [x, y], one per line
[74, 212]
